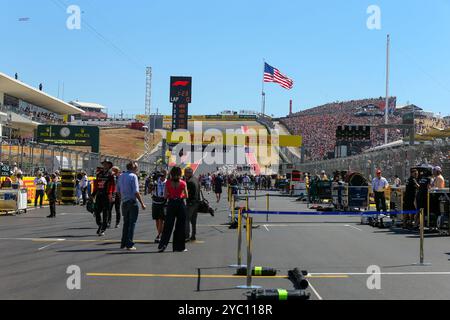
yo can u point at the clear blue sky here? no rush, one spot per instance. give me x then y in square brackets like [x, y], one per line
[324, 46]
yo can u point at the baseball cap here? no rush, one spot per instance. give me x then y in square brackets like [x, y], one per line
[437, 168]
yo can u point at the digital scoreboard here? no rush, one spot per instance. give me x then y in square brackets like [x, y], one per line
[180, 96]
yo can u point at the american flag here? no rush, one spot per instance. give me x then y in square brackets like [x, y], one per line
[272, 74]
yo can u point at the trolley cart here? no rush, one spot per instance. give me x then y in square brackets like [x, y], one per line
[13, 201]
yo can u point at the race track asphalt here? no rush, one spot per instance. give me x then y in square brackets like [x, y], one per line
[336, 250]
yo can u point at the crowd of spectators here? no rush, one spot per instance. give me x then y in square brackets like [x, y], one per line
[318, 125]
[39, 115]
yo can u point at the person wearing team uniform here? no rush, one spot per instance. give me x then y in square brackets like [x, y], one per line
[104, 187]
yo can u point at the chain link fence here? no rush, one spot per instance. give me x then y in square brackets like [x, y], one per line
[395, 161]
[32, 157]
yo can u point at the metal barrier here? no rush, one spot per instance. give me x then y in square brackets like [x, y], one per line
[393, 161]
[32, 157]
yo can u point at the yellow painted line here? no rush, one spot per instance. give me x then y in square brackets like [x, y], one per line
[101, 241]
[195, 276]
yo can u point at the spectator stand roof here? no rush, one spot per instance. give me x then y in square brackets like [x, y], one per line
[32, 95]
[89, 105]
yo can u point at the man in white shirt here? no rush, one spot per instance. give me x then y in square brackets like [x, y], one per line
[84, 187]
[379, 186]
[40, 183]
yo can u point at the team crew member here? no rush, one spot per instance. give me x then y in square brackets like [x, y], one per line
[438, 181]
[379, 186]
[193, 201]
[40, 184]
[159, 204]
[115, 204]
[128, 187]
[409, 201]
[175, 192]
[103, 193]
[422, 194]
[52, 196]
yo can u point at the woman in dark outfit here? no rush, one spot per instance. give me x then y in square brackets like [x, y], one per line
[218, 184]
[176, 192]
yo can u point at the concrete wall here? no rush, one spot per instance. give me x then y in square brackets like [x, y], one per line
[2, 97]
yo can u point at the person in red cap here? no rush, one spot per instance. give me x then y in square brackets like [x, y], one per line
[379, 186]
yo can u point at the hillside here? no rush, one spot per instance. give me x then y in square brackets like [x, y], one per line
[124, 143]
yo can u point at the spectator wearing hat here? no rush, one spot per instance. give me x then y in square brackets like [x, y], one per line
[103, 194]
[379, 186]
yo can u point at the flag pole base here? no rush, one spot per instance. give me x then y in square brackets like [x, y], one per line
[422, 264]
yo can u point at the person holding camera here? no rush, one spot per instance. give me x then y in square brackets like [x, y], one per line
[159, 203]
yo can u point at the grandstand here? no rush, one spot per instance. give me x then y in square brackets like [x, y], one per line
[92, 111]
[27, 107]
[318, 125]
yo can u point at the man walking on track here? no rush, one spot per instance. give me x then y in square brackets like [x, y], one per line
[193, 202]
[103, 194]
[128, 188]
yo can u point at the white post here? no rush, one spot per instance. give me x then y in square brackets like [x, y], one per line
[386, 110]
[263, 94]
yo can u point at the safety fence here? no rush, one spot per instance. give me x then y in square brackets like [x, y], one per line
[32, 157]
[393, 161]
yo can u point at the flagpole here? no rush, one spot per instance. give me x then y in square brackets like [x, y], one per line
[386, 110]
[263, 94]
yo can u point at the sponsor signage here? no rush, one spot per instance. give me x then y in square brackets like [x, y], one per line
[60, 135]
[181, 90]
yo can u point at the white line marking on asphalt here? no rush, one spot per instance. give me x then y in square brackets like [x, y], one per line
[315, 291]
[265, 226]
[49, 245]
[353, 227]
[383, 274]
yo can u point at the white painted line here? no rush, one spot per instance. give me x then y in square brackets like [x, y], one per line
[353, 227]
[265, 226]
[33, 239]
[445, 273]
[315, 291]
[40, 249]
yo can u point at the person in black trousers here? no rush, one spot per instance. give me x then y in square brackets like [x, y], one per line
[175, 192]
[116, 201]
[51, 195]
